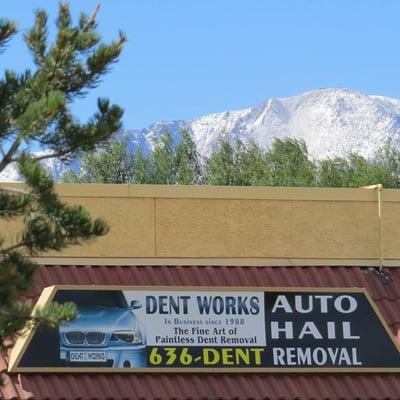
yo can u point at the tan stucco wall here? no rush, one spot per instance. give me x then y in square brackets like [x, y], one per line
[199, 225]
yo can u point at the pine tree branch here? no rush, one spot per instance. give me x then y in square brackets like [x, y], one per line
[35, 107]
[7, 30]
[52, 155]
[68, 239]
[7, 159]
[47, 156]
[92, 19]
[12, 190]
[14, 247]
[34, 319]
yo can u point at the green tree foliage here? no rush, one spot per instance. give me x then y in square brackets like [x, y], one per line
[285, 163]
[252, 165]
[35, 110]
[227, 165]
[162, 161]
[188, 168]
[355, 171]
[172, 163]
[169, 163]
[142, 168]
[112, 164]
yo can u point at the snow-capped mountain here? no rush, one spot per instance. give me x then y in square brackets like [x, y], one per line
[332, 122]
[55, 166]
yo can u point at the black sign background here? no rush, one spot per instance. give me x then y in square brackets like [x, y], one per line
[375, 348]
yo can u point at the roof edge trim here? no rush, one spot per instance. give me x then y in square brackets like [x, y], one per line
[206, 262]
[220, 192]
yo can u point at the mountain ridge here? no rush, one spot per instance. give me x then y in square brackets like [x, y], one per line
[332, 122]
[320, 117]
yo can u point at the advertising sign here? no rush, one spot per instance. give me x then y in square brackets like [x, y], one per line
[219, 329]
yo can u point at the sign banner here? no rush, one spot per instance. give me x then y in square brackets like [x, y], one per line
[234, 329]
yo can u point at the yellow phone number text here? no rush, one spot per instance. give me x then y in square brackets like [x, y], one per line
[181, 356]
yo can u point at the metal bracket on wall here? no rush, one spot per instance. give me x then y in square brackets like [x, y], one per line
[384, 277]
[379, 189]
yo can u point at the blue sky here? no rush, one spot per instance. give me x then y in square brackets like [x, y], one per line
[187, 58]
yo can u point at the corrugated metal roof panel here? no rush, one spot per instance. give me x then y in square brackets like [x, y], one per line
[217, 386]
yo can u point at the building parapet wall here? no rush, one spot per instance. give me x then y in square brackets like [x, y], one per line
[203, 225]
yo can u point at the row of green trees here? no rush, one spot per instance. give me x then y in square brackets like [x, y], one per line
[168, 163]
[285, 163]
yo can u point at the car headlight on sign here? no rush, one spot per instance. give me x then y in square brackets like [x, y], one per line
[133, 336]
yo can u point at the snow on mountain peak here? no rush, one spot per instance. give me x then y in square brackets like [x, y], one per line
[332, 122]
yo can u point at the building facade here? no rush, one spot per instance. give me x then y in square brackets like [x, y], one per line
[215, 238]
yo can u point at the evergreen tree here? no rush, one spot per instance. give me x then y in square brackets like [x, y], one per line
[35, 110]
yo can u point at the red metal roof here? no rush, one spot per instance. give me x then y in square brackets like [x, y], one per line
[218, 386]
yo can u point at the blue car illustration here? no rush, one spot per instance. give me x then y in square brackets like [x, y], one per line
[105, 333]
